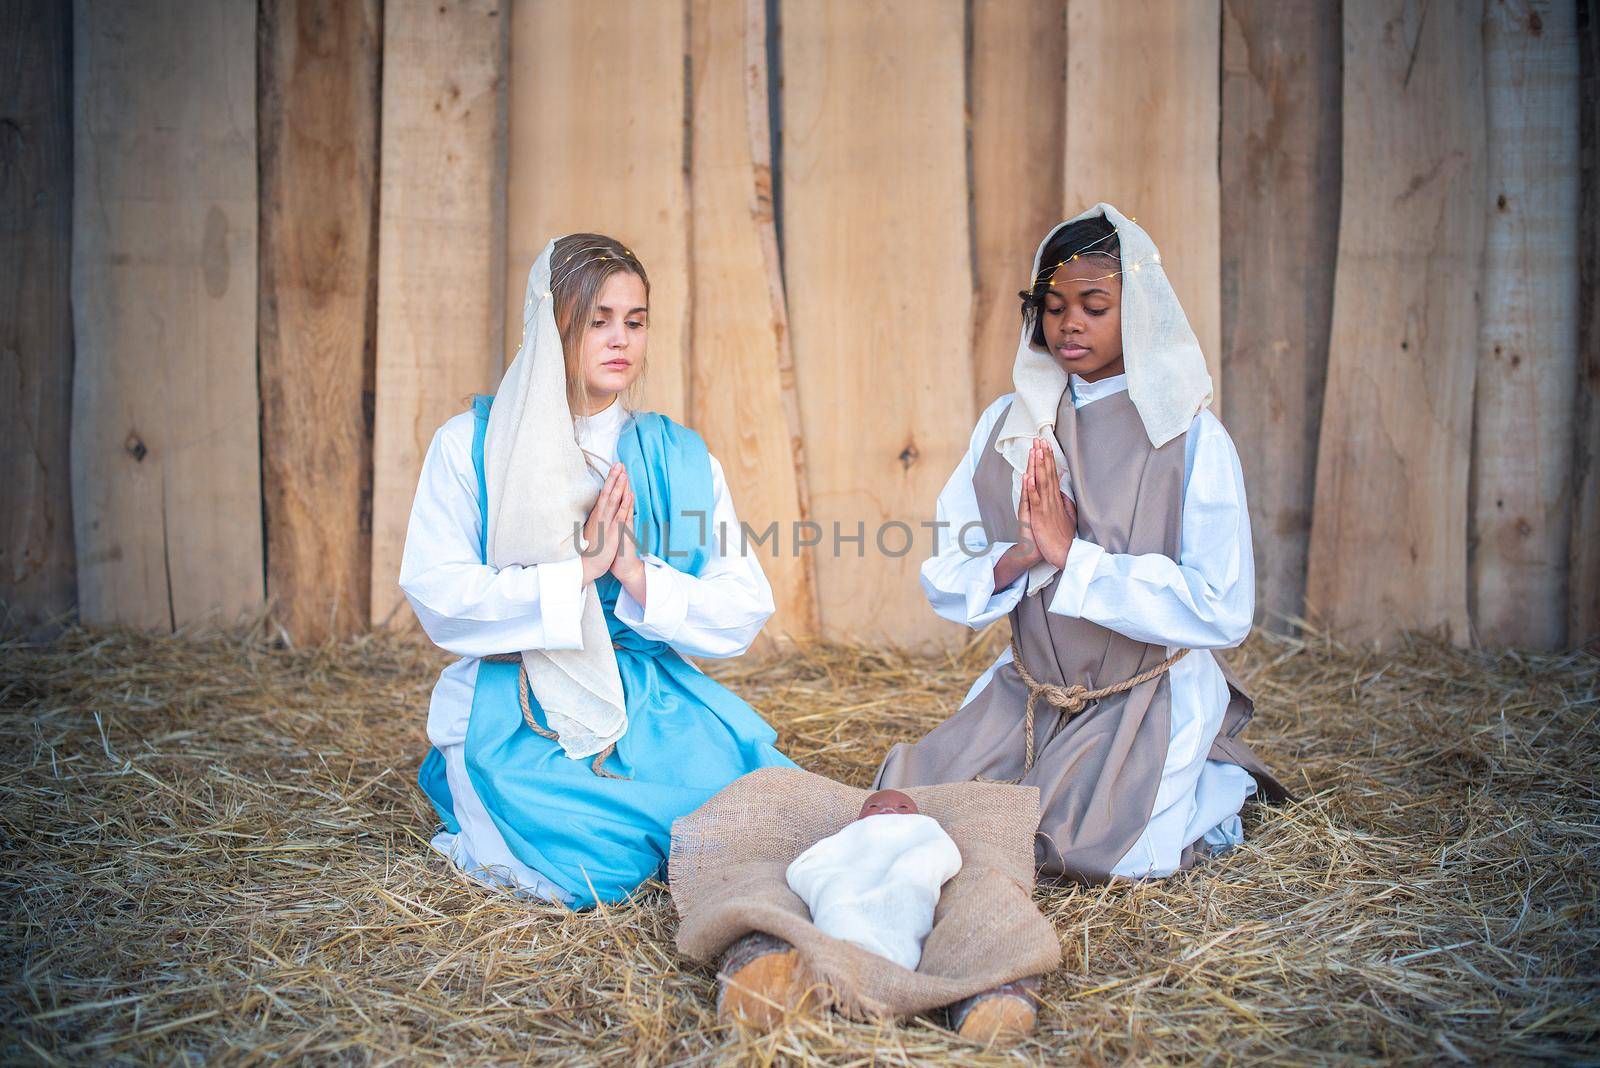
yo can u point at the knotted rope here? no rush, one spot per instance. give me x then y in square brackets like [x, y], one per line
[1070, 699]
[524, 698]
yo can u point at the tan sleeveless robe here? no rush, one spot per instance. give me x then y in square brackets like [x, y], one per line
[1098, 771]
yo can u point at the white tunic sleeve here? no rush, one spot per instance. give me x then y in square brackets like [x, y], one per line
[467, 607]
[717, 613]
[959, 577]
[1204, 600]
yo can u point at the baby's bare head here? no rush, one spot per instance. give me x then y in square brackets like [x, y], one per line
[887, 803]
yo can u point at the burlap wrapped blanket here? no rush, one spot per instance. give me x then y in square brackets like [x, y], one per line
[726, 874]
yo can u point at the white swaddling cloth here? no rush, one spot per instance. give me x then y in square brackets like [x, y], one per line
[876, 883]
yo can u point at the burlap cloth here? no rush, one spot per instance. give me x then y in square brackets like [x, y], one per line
[726, 874]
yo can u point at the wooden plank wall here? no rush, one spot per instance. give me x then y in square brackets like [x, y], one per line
[38, 575]
[1280, 226]
[598, 146]
[743, 383]
[1019, 103]
[1142, 135]
[877, 259]
[319, 62]
[166, 489]
[441, 227]
[1389, 524]
[1583, 612]
[1381, 216]
[1527, 355]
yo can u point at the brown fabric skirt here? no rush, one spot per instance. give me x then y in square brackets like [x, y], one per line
[1097, 772]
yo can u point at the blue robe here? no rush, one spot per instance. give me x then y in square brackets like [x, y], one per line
[688, 736]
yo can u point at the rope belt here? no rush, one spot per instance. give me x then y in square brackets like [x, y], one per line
[1073, 699]
[523, 698]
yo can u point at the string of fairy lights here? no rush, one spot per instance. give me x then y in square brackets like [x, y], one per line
[604, 251]
[1047, 272]
[605, 254]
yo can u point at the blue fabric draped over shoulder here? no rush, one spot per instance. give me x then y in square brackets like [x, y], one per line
[688, 736]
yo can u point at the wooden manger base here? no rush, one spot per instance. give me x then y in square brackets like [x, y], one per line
[761, 984]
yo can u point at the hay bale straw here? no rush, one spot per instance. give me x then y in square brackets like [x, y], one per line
[216, 852]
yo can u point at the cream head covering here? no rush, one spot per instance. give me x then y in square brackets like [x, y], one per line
[1167, 377]
[540, 493]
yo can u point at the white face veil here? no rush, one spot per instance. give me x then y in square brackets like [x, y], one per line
[540, 493]
[1167, 377]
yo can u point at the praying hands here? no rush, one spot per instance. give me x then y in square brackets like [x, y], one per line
[609, 535]
[627, 567]
[1047, 517]
[1049, 520]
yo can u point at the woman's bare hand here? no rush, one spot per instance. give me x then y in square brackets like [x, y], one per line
[1025, 553]
[1052, 518]
[627, 567]
[600, 529]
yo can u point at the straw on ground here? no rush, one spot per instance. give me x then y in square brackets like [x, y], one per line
[216, 851]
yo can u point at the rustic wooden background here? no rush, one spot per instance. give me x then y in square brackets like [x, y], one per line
[256, 251]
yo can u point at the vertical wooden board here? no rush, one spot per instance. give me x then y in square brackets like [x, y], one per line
[1583, 611]
[598, 146]
[319, 161]
[1280, 232]
[1389, 525]
[877, 262]
[1017, 67]
[165, 457]
[38, 579]
[1527, 357]
[440, 252]
[1142, 119]
[741, 371]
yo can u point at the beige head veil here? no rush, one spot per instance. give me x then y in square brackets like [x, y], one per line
[539, 496]
[1167, 377]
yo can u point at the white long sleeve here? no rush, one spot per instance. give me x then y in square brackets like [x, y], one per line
[959, 581]
[1203, 600]
[717, 613]
[467, 607]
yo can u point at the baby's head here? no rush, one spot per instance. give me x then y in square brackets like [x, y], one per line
[887, 803]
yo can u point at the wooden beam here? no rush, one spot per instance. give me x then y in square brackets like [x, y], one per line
[1584, 569]
[1018, 120]
[1389, 526]
[165, 447]
[1280, 232]
[319, 160]
[598, 146]
[1142, 121]
[440, 251]
[742, 371]
[878, 261]
[1527, 357]
[38, 575]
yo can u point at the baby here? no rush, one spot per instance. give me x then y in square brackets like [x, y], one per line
[876, 882]
[873, 884]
